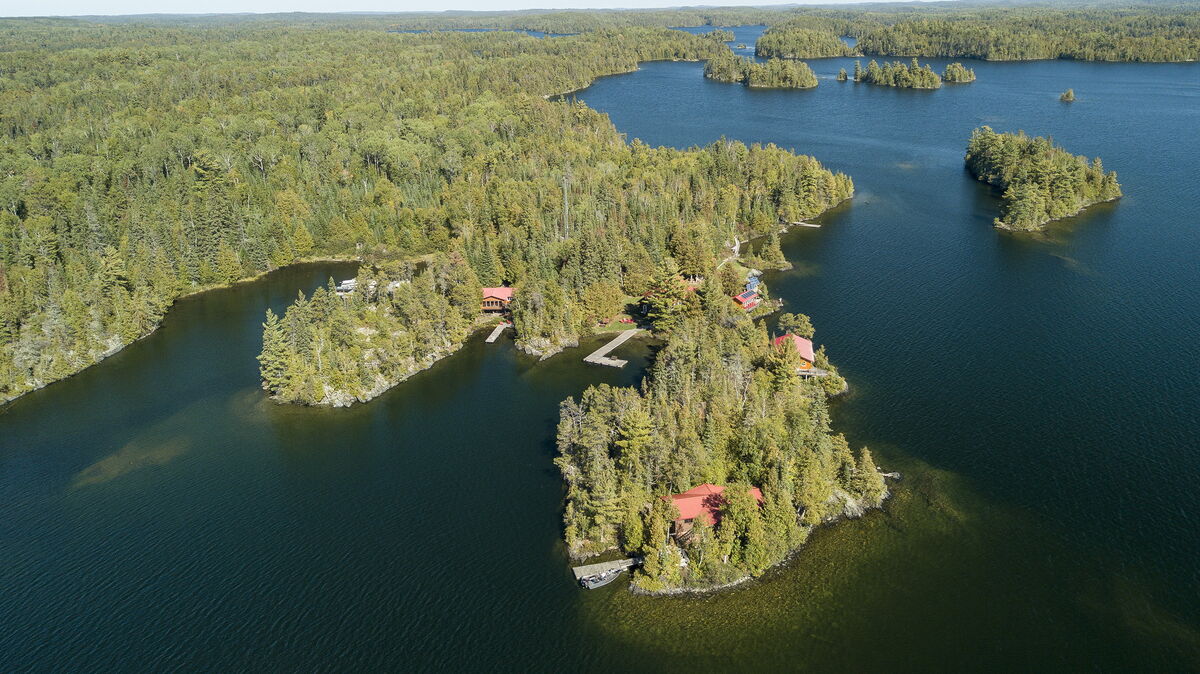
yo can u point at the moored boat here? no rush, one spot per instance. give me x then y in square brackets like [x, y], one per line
[600, 579]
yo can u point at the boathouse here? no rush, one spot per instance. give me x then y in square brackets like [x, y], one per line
[748, 300]
[704, 502]
[497, 299]
[803, 348]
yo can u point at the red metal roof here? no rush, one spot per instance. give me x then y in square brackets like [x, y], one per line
[705, 501]
[746, 296]
[505, 294]
[803, 346]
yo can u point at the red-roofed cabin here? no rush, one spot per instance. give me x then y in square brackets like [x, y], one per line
[497, 299]
[702, 502]
[803, 347]
[748, 300]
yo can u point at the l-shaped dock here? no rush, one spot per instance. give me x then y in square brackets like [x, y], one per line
[600, 356]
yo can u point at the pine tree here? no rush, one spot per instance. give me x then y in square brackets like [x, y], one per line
[772, 252]
[841, 76]
[633, 531]
[273, 361]
[795, 324]
[872, 487]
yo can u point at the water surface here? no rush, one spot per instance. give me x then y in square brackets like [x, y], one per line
[1038, 392]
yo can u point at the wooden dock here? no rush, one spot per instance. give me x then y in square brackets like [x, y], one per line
[586, 570]
[813, 372]
[496, 333]
[600, 356]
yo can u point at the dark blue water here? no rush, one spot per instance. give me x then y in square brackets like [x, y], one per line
[1056, 372]
[746, 35]
[1038, 392]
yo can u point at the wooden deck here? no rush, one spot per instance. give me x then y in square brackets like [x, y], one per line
[600, 356]
[586, 570]
[813, 372]
[496, 333]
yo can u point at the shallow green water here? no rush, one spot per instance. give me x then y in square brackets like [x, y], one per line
[1039, 394]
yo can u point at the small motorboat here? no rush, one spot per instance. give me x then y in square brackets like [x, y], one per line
[599, 579]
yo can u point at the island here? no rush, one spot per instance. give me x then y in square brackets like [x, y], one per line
[774, 74]
[957, 73]
[897, 74]
[720, 465]
[1067, 96]
[1040, 181]
[791, 41]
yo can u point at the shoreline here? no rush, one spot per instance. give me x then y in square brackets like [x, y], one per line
[1005, 227]
[4, 401]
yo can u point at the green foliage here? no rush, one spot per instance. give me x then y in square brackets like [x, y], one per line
[908, 76]
[795, 324]
[219, 152]
[1147, 33]
[955, 72]
[1040, 181]
[793, 42]
[780, 74]
[1067, 96]
[716, 407]
[841, 76]
[775, 73]
[334, 350]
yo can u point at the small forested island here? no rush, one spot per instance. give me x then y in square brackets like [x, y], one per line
[794, 42]
[1040, 181]
[720, 465]
[1067, 96]
[774, 74]
[907, 76]
[957, 73]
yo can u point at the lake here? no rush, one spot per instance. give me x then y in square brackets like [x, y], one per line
[1038, 392]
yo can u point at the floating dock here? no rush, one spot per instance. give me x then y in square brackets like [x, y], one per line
[496, 333]
[600, 356]
[586, 570]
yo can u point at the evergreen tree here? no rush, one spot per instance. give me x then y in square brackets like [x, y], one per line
[273, 360]
[871, 484]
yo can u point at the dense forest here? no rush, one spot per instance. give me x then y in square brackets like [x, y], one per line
[145, 158]
[907, 76]
[720, 406]
[176, 159]
[957, 73]
[641, 240]
[1040, 181]
[795, 42]
[775, 73]
[335, 350]
[1146, 33]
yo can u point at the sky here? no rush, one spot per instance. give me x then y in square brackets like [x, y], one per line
[86, 7]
